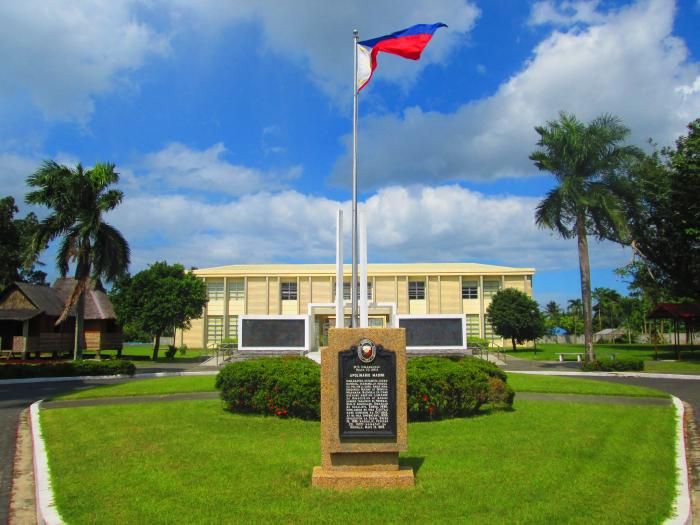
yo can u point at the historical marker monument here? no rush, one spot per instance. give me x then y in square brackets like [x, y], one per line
[363, 409]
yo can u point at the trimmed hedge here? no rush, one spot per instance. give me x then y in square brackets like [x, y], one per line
[279, 386]
[613, 365]
[438, 387]
[67, 369]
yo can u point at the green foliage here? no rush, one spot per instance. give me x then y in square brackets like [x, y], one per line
[157, 299]
[78, 199]
[282, 387]
[67, 369]
[613, 365]
[15, 246]
[516, 316]
[587, 162]
[664, 217]
[437, 388]
[170, 352]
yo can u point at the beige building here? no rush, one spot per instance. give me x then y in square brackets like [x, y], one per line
[309, 289]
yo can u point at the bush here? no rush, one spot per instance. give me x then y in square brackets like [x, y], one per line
[438, 387]
[67, 369]
[441, 388]
[279, 386]
[613, 365]
[170, 352]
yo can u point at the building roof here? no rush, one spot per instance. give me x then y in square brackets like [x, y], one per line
[97, 304]
[43, 297]
[18, 314]
[675, 311]
[51, 301]
[372, 269]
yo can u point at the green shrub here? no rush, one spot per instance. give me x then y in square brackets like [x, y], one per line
[613, 365]
[437, 387]
[67, 369]
[478, 342]
[279, 386]
[170, 352]
[443, 388]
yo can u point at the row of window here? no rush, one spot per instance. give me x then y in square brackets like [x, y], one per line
[289, 292]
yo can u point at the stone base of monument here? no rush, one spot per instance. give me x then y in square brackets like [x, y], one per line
[363, 410]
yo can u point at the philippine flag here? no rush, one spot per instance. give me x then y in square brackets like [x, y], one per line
[407, 43]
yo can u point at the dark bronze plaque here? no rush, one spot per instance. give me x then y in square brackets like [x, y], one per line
[433, 332]
[273, 333]
[367, 394]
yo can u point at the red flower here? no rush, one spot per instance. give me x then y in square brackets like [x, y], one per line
[430, 409]
[425, 398]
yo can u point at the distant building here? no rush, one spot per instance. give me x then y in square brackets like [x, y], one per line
[309, 289]
[28, 315]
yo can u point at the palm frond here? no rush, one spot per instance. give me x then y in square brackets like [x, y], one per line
[111, 253]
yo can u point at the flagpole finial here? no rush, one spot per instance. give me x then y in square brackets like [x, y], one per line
[355, 32]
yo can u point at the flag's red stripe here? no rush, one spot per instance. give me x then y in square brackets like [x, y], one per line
[407, 47]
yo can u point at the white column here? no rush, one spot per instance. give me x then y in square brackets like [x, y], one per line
[339, 311]
[364, 322]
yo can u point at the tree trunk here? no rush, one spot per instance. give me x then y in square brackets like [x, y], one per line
[512, 339]
[156, 346]
[585, 269]
[79, 327]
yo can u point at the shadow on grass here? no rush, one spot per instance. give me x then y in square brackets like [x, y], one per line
[415, 462]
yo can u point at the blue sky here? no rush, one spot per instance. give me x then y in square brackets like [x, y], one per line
[230, 122]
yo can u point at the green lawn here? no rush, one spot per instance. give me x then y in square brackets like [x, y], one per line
[191, 462]
[519, 382]
[690, 359]
[575, 385]
[145, 352]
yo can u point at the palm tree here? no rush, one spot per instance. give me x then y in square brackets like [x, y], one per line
[575, 308]
[78, 199]
[586, 161]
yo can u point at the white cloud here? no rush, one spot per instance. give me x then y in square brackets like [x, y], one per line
[630, 65]
[63, 53]
[445, 223]
[178, 167]
[318, 34]
[565, 13]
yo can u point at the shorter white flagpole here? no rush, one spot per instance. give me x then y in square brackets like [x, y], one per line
[339, 305]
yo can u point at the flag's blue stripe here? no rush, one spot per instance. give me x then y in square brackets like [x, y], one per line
[419, 29]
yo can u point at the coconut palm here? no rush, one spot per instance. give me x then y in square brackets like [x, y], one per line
[575, 309]
[78, 200]
[586, 161]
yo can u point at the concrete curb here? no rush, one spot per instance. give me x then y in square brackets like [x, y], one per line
[681, 506]
[146, 375]
[46, 507]
[605, 374]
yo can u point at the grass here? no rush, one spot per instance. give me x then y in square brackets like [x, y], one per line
[690, 359]
[519, 382]
[191, 462]
[144, 352]
[567, 385]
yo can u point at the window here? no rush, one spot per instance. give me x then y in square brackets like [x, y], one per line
[233, 327]
[236, 290]
[375, 322]
[491, 287]
[215, 329]
[470, 289]
[473, 325]
[416, 289]
[288, 291]
[215, 291]
[346, 290]
[488, 329]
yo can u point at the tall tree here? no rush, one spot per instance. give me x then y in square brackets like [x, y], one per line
[607, 308]
[516, 316]
[15, 244]
[159, 298]
[586, 161]
[664, 218]
[78, 200]
[575, 310]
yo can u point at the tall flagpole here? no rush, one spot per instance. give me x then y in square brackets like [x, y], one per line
[353, 283]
